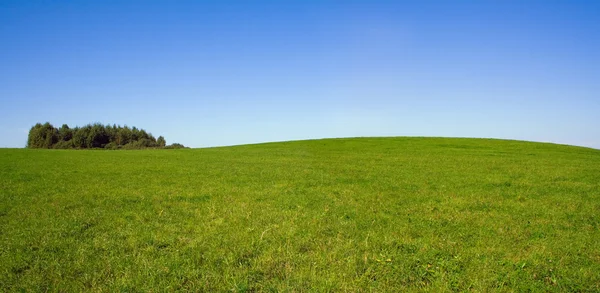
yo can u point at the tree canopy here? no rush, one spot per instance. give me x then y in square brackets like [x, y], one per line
[93, 136]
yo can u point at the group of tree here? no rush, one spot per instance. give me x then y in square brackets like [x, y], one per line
[93, 136]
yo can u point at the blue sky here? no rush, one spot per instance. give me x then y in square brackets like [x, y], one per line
[210, 73]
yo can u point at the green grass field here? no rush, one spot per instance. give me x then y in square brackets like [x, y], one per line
[366, 214]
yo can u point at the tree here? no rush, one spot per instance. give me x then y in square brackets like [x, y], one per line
[42, 136]
[161, 142]
[34, 140]
[98, 136]
[123, 136]
[135, 134]
[65, 133]
[80, 137]
[93, 136]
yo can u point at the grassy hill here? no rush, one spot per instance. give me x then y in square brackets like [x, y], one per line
[365, 214]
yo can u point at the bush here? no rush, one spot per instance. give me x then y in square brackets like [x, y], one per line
[112, 146]
[64, 145]
[175, 146]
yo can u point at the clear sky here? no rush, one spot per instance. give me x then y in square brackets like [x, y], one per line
[210, 73]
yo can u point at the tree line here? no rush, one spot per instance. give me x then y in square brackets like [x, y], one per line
[93, 136]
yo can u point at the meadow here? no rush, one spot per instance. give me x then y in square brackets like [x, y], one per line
[360, 214]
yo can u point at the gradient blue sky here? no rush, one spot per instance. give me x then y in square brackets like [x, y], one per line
[210, 73]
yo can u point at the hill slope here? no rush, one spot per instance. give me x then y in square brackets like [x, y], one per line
[384, 214]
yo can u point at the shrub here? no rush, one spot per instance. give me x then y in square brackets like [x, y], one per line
[64, 145]
[112, 146]
[175, 146]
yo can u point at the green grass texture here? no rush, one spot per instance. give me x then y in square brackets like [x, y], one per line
[357, 215]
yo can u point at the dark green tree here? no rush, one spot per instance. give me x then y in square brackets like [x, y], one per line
[65, 133]
[161, 142]
[98, 136]
[80, 137]
[42, 136]
[93, 136]
[123, 136]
